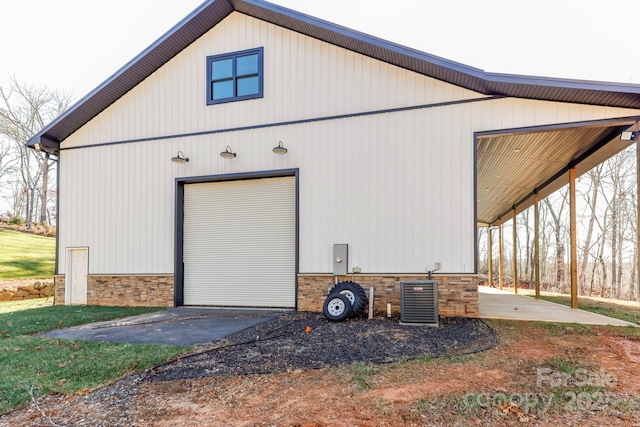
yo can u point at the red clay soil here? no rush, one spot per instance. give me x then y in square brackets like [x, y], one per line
[592, 373]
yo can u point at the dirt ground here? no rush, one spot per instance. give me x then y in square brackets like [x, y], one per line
[537, 374]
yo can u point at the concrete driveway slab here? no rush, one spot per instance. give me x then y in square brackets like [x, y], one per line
[497, 304]
[177, 326]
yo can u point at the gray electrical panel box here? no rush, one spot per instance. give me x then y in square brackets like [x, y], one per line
[341, 259]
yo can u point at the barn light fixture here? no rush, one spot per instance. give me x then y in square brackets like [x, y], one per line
[228, 154]
[180, 158]
[279, 149]
[628, 136]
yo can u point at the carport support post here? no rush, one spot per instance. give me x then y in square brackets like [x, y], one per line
[515, 252]
[490, 249]
[536, 242]
[500, 264]
[638, 218]
[574, 257]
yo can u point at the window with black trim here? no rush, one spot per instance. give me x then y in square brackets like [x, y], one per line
[234, 76]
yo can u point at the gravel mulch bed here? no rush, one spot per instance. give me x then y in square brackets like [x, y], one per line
[283, 344]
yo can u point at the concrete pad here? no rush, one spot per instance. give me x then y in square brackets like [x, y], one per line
[497, 304]
[177, 326]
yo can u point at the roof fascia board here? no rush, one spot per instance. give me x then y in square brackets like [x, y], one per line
[618, 121]
[561, 83]
[317, 23]
[146, 52]
[433, 59]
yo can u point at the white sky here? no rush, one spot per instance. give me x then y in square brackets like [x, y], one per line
[74, 45]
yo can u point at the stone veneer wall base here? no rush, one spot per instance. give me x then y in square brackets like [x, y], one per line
[124, 290]
[457, 294]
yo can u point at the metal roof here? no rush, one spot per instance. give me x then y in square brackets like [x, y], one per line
[212, 12]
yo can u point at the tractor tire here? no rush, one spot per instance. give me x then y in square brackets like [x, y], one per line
[357, 296]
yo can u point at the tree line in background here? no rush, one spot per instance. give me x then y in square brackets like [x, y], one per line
[606, 235]
[27, 177]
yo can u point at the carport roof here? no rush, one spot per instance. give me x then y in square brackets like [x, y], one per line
[513, 165]
[211, 12]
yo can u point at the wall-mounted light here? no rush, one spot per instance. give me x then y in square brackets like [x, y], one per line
[279, 149]
[180, 158]
[628, 136]
[37, 146]
[228, 154]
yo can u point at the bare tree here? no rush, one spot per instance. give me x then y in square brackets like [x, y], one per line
[544, 242]
[557, 230]
[594, 177]
[634, 285]
[601, 261]
[7, 161]
[617, 185]
[24, 111]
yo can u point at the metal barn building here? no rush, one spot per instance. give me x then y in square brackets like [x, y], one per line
[301, 134]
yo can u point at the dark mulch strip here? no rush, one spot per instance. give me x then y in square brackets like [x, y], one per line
[282, 345]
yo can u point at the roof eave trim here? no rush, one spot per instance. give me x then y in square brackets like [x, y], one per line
[554, 82]
[357, 35]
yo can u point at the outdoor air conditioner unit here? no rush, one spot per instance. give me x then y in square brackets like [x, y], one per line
[419, 302]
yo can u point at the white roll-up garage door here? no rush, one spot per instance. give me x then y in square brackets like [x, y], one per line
[239, 243]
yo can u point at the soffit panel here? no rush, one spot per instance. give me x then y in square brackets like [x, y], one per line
[511, 166]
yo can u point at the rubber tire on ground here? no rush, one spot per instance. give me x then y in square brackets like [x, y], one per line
[337, 308]
[357, 296]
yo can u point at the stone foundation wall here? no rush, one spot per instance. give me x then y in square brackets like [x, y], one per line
[124, 290]
[35, 290]
[457, 294]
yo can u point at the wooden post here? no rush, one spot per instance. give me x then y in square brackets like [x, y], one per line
[500, 261]
[515, 253]
[536, 242]
[490, 249]
[574, 256]
[637, 219]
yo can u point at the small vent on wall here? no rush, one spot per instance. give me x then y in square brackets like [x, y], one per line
[419, 302]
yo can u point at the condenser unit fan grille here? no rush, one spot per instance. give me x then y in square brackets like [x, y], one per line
[419, 302]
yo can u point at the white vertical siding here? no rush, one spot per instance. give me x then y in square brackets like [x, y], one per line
[303, 78]
[397, 187]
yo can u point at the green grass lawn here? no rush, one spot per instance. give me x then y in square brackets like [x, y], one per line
[26, 256]
[46, 365]
[11, 306]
